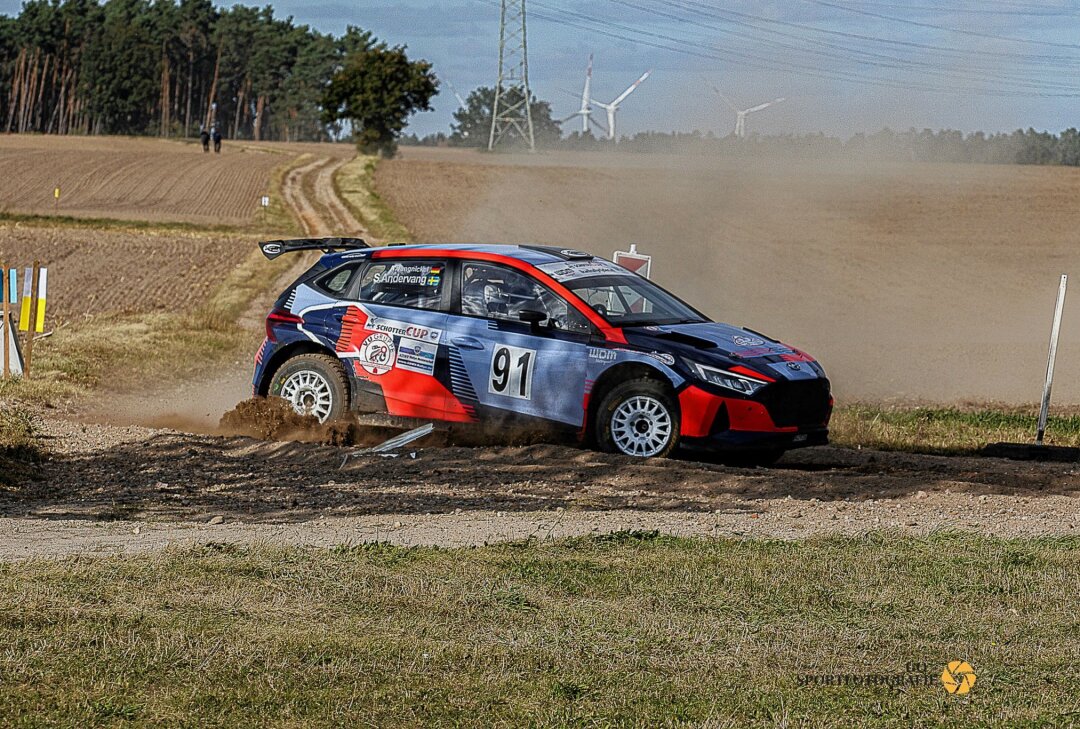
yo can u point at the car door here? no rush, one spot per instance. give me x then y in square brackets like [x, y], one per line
[505, 366]
[392, 336]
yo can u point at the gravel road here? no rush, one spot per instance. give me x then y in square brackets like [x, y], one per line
[118, 489]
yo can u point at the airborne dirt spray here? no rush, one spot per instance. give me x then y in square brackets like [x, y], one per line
[923, 282]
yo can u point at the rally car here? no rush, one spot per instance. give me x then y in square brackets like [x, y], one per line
[536, 336]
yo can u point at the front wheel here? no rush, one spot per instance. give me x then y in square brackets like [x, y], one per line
[638, 418]
[314, 384]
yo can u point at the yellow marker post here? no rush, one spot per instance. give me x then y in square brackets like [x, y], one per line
[43, 281]
[24, 311]
[56, 197]
[31, 316]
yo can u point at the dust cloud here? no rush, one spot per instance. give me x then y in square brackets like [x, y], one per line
[910, 282]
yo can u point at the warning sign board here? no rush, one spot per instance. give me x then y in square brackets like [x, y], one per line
[634, 261]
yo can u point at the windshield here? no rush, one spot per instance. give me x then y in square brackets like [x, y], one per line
[632, 301]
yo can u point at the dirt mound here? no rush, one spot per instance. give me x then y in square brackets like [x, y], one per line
[272, 418]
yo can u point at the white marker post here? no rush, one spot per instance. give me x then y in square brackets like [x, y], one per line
[1054, 332]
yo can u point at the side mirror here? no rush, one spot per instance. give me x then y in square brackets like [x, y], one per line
[533, 317]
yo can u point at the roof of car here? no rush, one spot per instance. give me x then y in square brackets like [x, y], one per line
[533, 254]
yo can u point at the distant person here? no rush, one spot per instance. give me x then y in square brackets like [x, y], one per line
[217, 141]
[204, 137]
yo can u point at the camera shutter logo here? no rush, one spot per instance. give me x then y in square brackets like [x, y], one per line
[958, 677]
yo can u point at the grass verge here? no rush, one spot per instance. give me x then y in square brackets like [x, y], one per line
[354, 183]
[19, 453]
[621, 630]
[948, 430]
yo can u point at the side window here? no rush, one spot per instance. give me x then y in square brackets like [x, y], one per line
[494, 292]
[336, 282]
[415, 284]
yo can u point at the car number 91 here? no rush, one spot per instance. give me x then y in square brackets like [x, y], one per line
[511, 371]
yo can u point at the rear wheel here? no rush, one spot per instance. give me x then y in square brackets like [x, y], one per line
[638, 418]
[314, 384]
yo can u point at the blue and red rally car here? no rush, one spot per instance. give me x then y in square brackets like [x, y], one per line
[534, 336]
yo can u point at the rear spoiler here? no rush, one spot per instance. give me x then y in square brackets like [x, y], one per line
[274, 248]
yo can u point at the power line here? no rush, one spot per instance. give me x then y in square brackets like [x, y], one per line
[934, 26]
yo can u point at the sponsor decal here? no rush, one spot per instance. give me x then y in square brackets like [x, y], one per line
[271, 249]
[664, 357]
[604, 355]
[416, 356]
[794, 366]
[743, 341]
[377, 353]
[563, 271]
[571, 253]
[410, 274]
[404, 329]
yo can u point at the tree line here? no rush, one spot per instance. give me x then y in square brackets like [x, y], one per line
[473, 121]
[173, 67]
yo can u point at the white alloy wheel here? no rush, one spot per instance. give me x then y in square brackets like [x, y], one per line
[309, 393]
[641, 426]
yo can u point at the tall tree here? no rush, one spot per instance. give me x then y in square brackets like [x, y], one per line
[376, 89]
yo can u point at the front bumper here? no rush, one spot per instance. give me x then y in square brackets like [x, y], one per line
[715, 422]
[748, 440]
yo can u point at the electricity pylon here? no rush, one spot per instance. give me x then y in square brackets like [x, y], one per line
[511, 114]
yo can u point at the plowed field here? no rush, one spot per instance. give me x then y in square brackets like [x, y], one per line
[918, 282]
[136, 179]
[112, 271]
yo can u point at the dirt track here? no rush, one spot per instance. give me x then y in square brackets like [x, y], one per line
[118, 487]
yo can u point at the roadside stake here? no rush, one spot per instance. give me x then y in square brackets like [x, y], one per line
[1055, 332]
[31, 316]
[1039, 451]
[9, 295]
[7, 320]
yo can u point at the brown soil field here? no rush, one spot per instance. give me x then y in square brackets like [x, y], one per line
[910, 282]
[122, 272]
[141, 179]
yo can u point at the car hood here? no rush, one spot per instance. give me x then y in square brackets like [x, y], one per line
[725, 345]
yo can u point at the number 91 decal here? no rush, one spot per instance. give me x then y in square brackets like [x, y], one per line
[511, 371]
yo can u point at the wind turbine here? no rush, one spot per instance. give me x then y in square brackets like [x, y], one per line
[456, 94]
[740, 114]
[614, 105]
[585, 112]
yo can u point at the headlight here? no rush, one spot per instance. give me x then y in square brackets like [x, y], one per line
[723, 378]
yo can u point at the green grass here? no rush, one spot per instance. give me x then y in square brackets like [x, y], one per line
[945, 430]
[67, 221]
[625, 630]
[354, 183]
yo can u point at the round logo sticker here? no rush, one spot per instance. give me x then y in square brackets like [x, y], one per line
[378, 354]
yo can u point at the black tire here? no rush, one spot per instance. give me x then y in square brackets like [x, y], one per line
[315, 366]
[613, 439]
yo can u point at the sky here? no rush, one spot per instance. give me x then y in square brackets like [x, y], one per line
[842, 66]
